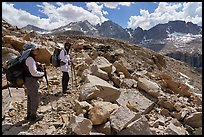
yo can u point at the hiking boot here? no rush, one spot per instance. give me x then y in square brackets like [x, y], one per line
[35, 118]
[66, 92]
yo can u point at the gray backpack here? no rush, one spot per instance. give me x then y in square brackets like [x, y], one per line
[15, 69]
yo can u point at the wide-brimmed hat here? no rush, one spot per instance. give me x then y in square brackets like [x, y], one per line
[30, 45]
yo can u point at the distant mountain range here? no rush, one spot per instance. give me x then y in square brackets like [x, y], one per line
[113, 30]
[169, 38]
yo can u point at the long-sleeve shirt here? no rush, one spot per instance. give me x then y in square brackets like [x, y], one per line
[31, 64]
[65, 58]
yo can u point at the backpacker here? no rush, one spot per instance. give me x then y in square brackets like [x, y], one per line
[55, 58]
[14, 69]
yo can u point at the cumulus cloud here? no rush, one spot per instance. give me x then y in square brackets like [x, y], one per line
[113, 5]
[67, 13]
[97, 10]
[61, 14]
[21, 17]
[165, 12]
[57, 16]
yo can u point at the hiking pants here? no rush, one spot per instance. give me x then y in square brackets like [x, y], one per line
[32, 86]
[65, 80]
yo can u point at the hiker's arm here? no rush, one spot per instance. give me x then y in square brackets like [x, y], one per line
[69, 60]
[63, 57]
[30, 62]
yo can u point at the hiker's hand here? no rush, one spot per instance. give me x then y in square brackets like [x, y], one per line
[69, 62]
[43, 66]
[40, 67]
[38, 63]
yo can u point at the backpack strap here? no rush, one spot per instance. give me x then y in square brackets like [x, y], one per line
[65, 52]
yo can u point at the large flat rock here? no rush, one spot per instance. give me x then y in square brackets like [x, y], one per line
[143, 104]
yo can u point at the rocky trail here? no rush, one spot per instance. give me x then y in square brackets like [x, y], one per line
[55, 107]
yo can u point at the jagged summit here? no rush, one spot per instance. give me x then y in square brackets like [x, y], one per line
[33, 28]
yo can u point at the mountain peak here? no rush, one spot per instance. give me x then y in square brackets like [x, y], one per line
[139, 28]
[32, 27]
[86, 21]
[177, 21]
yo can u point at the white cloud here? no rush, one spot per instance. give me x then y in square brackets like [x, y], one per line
[62, 14]
[59, 15]
[193, 12]
[97, 10]
[105, 12]
[113, 5]
[16, 17]
[67, 13]
[165, 12]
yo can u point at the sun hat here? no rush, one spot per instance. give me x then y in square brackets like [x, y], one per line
[30, 45]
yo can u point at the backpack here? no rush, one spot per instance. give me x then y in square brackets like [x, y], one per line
[55, 58]
[14, 69]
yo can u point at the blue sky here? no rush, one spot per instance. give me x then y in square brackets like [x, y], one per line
[50, 15]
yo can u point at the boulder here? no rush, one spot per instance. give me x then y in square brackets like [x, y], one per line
[121, 68]
[194, 120]
[81, 107]
[104, 128]
[126, 64]
[106, 105]
[29, 35]
[96, 71]
[104, 64]
[116, 80]
[137, 127]
[84, 74]
[150, 87]
[121, 117]
[142, 103]
[96, 87]
[80, 125]
[177, 87]
[17, 43]
[98, 115]
[129, 83]
[198, 131]
[8, 52]
[83, 56]
[171, 129]
[43, 55]
[197, 99]
[168, 104]
[81, 67]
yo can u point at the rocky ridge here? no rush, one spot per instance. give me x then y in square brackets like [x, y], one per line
[116, 88]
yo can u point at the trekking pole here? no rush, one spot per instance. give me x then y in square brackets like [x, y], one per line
[72, 76]
[48, 87]
[9, 89]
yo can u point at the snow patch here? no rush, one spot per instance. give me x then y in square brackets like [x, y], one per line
[183, 75]
[182, 37]
[189, 85]
[186, 79]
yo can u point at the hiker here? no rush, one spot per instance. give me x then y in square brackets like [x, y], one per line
[32, 75]
[65, 61]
